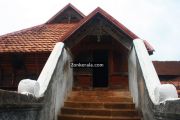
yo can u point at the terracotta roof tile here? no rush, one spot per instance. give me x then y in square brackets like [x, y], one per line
[113, 21]
[43, 37]
[40, 38]
[167, 67]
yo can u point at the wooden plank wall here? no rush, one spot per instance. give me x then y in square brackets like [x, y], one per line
[117, 62]
[33, 64]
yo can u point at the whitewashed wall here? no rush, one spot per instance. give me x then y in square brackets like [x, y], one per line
[132, 71]
[149, 95]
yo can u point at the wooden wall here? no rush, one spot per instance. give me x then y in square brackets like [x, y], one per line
[117, 62]
[15, 67]
[31, 64]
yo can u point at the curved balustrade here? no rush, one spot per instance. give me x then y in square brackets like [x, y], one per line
[151, 98]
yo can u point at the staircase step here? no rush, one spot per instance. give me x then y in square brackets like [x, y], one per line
[99, 112]
[110, 105]
[100, 99]
[99, 105]
[101, 93]
[80, 117]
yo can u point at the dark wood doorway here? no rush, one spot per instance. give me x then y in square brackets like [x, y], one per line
[100, 74]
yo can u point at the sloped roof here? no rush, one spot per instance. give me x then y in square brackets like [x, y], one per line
[43, 37]
[60, 13]
[149, 48]
[107, 16]
[40, 38]
[133, 36]
[167, 67]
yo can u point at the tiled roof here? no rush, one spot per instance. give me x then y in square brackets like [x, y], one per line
[113, 21]
[108, 17]
[36, 39]
[64, 9]
[167, 67]
[43, 37]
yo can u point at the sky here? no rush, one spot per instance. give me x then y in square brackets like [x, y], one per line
[157, 21]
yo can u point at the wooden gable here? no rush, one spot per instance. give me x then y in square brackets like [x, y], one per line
[69, 14]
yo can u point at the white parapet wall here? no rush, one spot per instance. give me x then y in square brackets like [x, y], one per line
[26, 86]
[152, 81]
[149, 72]
[132, 70]
[165, 92]
[48, 70]
[53, 85]
[154, 100]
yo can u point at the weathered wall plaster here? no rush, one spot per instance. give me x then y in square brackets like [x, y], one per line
[144, 85]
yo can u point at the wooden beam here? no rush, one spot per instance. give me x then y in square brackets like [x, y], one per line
[79, 36]
[106, 28]
[116, 33]
[120, 39]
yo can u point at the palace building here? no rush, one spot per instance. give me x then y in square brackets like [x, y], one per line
[78, 67]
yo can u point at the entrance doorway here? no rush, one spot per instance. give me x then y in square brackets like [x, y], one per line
[100, 74]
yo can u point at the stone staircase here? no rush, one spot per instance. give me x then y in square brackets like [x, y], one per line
[99, 105]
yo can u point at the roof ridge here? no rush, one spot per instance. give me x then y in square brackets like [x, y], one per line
[111, 19]
[68, 5]
[117, 23]
[107, 16]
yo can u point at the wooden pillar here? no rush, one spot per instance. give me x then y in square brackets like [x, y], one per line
[37, 64]
[1, 76]
[13, 70]
[110, 65]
